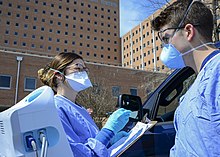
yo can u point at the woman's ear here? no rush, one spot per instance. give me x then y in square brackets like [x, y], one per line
[59, 77]
[190, 32]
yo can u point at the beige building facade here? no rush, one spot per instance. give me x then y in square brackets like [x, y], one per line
[141, 48]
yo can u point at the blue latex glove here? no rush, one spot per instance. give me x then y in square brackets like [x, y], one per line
[117, 120]
[118, 136]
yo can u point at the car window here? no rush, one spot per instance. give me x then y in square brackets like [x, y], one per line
[167, 110]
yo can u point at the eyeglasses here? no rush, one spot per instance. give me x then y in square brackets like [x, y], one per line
[165, 39]
[78, 67]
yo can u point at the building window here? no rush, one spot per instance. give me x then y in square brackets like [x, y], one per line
[115, 91]
[25, 26]
[23, 44]
[15, 42]
[6, 32]
[133, 91]
[29, 84]
[5, 82]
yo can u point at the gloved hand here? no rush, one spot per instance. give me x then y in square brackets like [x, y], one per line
[118, 136]
[117, 120]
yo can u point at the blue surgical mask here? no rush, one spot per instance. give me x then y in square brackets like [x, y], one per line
[172, 58]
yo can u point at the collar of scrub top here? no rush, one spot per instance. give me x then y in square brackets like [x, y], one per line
[210, 56]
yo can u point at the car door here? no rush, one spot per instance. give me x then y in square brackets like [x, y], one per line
[160, 106]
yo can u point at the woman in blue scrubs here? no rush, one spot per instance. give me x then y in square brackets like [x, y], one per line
[67, 75]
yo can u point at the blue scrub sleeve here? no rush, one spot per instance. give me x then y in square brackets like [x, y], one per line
[104, 136]
[90, 148]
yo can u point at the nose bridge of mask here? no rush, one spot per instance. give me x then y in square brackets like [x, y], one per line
[80, 76]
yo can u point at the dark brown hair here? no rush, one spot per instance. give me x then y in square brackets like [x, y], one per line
[198, 14]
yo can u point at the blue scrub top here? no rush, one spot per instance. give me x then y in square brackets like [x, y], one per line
[197, 118]
[80, 129]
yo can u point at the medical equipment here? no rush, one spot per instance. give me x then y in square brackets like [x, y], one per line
[32, 127]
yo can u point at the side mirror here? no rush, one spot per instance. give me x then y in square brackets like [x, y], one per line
[131, 102]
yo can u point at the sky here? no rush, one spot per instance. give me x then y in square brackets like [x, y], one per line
[133, 12]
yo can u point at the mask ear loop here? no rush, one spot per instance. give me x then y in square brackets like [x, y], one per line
[57, 72]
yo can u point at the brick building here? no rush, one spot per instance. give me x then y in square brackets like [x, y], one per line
[18, 77]
[33, 31]
[89, 28]
[141, 46]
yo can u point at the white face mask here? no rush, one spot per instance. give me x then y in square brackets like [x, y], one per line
[172, 58]
[78, 81]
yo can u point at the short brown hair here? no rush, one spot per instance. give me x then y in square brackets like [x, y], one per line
[198, 14]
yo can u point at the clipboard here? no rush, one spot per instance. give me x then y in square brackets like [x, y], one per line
[126, 142]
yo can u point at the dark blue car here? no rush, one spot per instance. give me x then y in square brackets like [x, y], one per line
[160, 106]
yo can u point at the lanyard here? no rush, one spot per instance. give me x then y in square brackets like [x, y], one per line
[210, 56]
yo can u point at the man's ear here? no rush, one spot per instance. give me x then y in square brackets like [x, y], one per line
[190, 31]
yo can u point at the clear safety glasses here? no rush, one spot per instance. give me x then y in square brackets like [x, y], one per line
[78, 67]
[166, 38]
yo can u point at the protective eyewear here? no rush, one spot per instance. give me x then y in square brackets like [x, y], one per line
[78, 67]
[165, 38]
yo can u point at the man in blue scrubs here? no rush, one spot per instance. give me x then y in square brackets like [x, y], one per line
[185, 29]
